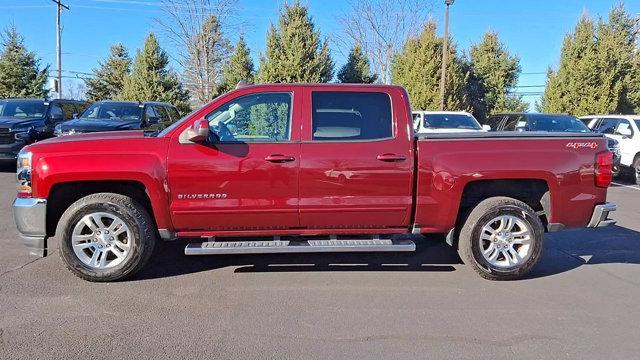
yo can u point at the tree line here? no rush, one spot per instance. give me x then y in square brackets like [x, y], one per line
[597, 71]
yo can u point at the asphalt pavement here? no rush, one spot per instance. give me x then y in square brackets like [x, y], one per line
[581, 301]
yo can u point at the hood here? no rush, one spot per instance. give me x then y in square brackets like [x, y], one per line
[12, 122]
[94, 125]
[109, 135]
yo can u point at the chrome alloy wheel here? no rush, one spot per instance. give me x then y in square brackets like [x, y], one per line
[101, 240]
[505, 241]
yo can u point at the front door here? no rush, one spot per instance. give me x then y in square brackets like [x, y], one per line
[356, 165]
[246, 177]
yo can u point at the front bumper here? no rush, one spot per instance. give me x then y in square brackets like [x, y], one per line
[30, 216]
[600, 215]
[9, 152]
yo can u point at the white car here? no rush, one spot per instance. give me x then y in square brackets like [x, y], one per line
[429, 122]
[625, 129]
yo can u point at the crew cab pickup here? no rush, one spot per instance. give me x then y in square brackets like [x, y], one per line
[307, 168]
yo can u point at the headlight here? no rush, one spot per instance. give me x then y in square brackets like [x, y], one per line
[23, 173]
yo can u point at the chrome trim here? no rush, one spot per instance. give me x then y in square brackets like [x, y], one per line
[600, 215]
[449, 238]
[309, 246]
[30, 216]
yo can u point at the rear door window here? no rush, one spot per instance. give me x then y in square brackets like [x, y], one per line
[173, 112]
[351, 116]
[607, 126]
[515, 122]
[162, 114]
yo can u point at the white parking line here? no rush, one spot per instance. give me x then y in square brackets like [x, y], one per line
[627, 186]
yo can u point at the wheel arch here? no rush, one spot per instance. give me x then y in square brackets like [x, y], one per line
[534, 192]
[62, 195]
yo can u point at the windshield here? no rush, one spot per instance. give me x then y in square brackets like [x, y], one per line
[113, 111]
[450, 121]
[557, 123]
[23, 109]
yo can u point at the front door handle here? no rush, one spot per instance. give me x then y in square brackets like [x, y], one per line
[391, 157]
[279, 158]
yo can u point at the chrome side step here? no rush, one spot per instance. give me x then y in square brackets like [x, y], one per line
[302, 246]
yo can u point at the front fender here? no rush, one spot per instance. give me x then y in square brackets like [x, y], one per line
[147, 168]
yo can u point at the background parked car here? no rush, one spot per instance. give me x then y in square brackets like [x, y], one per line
[626, 130]
[23, 121]
[445, 121]
[550, 123]
[121, 115]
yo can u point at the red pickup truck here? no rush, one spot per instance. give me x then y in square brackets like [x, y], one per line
[308, 168]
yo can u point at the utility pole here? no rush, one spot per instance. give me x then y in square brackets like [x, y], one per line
[445, 52]
[58, 46]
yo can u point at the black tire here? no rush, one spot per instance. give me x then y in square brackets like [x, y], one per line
[635, 170]
[469, 238]
[134, 216]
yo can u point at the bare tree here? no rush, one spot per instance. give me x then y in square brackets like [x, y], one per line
[197, 29]
[381, 28]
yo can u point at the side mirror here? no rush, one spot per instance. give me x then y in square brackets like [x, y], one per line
[199, 132]
[486, 127]
[75, 115]
[54, 118]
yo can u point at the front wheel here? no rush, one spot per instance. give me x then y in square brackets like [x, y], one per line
[501, 239]
[105, 237]
[636, 170]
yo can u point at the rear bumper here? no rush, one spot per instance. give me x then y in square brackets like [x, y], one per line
[30, 217]
[601, 214]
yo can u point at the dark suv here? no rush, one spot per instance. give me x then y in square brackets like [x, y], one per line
[549, 123]
[23, 121]
[121, 115]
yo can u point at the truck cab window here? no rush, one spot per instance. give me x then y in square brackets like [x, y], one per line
[264, 117]
[351, 116]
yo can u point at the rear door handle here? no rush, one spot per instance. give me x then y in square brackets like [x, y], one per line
[391, 157]
[279, 158]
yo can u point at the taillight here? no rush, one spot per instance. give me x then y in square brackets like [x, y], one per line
[604, 169]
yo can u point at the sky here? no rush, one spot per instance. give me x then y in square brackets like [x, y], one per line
[531, 29]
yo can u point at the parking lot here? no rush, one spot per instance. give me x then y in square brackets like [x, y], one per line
[580, 301]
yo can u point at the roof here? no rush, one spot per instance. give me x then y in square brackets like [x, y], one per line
[442, 112]
[42, 99]
[135, 102]
[528, 114]
[328, 85]
[617, 116]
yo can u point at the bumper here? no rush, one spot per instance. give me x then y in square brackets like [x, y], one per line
[30, 217]
[600, 215]
[9, 152]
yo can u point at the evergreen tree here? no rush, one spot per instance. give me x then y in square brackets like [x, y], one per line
[417, 68]
[597, 72]
[295, 52]
[20, 73]
[151, 80]
[238, 68]
[356, 70]
[497, 71]
[108, 79]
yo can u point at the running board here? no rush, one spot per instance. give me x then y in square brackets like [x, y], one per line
[303, 246]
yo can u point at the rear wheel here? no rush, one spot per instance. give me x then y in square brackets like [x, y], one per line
[105, 237]
[501, 239]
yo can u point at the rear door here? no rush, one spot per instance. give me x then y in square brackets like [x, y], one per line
[355, 163]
